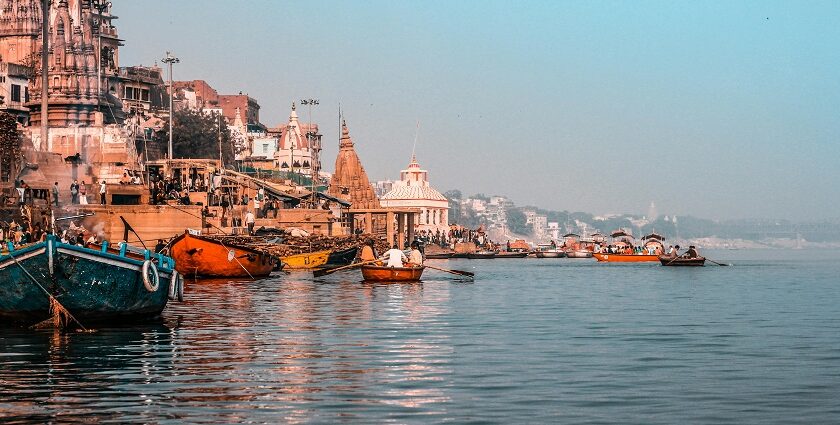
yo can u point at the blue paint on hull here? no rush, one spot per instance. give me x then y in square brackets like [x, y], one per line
[91, 284]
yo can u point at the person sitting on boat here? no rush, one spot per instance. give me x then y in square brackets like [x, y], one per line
[415, 257]
[368, 253]
[395, 257]
[673, 251]
[691, 253]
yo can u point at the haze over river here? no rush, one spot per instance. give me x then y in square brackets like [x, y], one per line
[529, 341]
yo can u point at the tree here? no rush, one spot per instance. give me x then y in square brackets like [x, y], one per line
[10, 141]
[196, 135]
[517, 222]
[454, 197]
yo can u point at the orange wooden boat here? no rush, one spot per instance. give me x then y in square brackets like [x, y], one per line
[625, 258]
[206, 257]
[392, 274]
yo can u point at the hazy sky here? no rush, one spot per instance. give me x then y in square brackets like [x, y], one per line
[715, 109]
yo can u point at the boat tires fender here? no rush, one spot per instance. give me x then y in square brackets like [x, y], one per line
[151, 278]
[173, 285]
[181, 282]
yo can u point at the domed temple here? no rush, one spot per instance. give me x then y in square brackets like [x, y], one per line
[413, 191]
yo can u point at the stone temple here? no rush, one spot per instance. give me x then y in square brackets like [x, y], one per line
[350, 181]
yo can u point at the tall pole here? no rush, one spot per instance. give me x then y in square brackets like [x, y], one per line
[313, 155]
[219, 126]
[170, 60]
[45, 62]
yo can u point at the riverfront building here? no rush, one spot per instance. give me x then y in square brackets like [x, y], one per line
[413, 191]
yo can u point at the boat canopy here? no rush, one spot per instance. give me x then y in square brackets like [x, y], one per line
[655, 236]
[571, 235]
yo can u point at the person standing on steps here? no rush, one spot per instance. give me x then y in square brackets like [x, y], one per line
[102, 192]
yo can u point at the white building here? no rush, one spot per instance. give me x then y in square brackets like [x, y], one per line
[413, 191]
[297, 146]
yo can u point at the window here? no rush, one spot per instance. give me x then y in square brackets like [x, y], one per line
[144, 95]
[15, 93]
[26, 94]
[129, 93]
[265, 147]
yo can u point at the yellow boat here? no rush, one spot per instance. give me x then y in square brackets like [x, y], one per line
[310, 260]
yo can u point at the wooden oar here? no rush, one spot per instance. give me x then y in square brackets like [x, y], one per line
[720, 264]
[324, 272]
[458, 272]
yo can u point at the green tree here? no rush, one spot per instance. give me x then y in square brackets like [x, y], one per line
[196, 135]
[517, 222]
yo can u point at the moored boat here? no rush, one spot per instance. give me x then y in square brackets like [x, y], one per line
[666, 260]
[509, 254]
[93, 285]
[579, 253]
[201, 256]
[308, 260]
[342, 257]
[391, 274]
[439, 256]
[481, 255]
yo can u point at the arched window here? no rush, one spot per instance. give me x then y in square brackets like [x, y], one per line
[306, 164]
[284, 165]
[296, 164]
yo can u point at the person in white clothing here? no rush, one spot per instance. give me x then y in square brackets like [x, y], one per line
[249, 221]
[395, 257]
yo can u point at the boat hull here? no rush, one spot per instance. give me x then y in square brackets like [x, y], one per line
[342, 258]
[682, 262]
[439, 256]
[391, 274]
[579, 254]
[625, 258]
[550, 254]
[196, 256]
[309, 260]
[511, 254]
[92, 285]
[481, 255]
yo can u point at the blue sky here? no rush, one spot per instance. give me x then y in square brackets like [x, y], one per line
[714, 109]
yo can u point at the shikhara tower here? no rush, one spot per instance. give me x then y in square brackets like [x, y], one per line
[350, 181]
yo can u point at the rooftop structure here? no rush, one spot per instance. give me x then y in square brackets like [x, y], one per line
[413, 191]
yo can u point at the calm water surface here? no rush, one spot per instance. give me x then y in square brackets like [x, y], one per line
[530, 341]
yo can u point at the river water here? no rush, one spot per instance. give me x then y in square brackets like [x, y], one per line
[529, 341]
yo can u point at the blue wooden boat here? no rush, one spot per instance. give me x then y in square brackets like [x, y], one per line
[93, 285]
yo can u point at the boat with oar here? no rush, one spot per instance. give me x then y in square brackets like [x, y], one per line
[199, 256]
[374, 273]
[667, 260]
[51, 279]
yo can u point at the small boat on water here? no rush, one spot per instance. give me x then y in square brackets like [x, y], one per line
[549, 251]
[575, 247]
[199, 256]
[373, 273]
[509, 254]
[439, 256]
[93, 285]
[579, 253]
[305, 261]
[481, 255]
[342, 257]
[666, 260]
[622, 246]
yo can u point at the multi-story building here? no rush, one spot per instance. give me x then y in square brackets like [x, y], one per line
[142, 89]
[14, 90]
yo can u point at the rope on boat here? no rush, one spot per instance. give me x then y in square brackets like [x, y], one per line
[56, 309]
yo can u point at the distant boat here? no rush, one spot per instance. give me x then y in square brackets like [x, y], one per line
[201, 256]
[549, 251]
[510, 254]
[93, 285]
[439, 256]
[481, 255]
[391, 274]
[623, 244]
